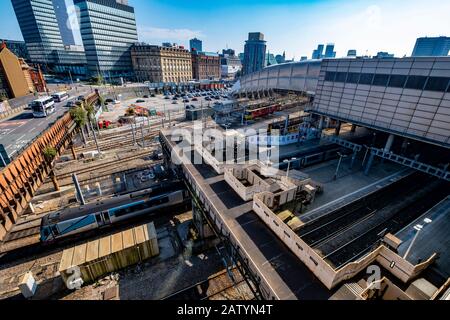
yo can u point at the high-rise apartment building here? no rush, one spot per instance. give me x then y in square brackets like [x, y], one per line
[318, 53]
[254, 53]
[108, 30]
[431, 47]
[195, 45]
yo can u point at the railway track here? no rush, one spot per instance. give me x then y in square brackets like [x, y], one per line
[390, 217]
[218, 286]
[22, 234]
[95, 168]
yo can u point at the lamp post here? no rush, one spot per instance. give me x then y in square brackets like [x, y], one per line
[418, 228]
[289, 165]
[341, 156]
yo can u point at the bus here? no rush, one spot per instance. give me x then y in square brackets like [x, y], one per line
[43, 107]
[60, 96]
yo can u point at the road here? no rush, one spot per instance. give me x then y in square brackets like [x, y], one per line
[17, 131]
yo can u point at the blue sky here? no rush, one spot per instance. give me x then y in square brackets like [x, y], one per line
[296, 26]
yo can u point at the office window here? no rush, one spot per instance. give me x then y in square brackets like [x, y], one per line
[341, 76]
[380, 80]
[436, 84]
[329, 76]
[353, 77]
[366, 78]
[397, 81]
[415, 82]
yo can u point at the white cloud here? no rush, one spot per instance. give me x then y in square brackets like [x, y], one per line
[152, 33]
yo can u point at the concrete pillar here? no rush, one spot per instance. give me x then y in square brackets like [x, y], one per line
[55, 181]
[369, 164]
[321, 121]
[74, 155]
[353, 128]
[389, 143]
[338, 129]
[405, 144]
[98, 189]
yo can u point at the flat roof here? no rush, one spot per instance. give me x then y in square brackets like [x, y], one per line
[278, 267]
[434, 237]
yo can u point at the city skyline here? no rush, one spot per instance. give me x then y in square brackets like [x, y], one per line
[292, 26]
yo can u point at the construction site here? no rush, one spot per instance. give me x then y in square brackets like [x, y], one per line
[271, 193]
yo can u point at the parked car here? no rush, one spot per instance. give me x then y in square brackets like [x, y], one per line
[140, 101]
[186, 100]
[194, 99]
[174, 102]
[145, 97]
[152, 95]
[167, 97]
[109, 100]
[70, 104]
[208, 99]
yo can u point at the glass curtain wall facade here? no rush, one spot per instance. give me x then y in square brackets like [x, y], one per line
[62, 17]
[108, 30]
[40, 30]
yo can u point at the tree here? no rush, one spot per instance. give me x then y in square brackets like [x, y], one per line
[50, 153]
[79, 115]
[97, 80]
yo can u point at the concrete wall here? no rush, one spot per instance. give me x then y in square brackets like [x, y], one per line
[330, 277]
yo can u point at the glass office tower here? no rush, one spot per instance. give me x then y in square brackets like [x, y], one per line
[62, 16]
[108, 30]
[40, 30]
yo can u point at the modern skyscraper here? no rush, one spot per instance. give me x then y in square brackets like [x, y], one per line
[62, 16]
[108, 30]
[431, 47]
[329, 51]
[195, 44]
[40, 30]
[318, 53]
[254, 53]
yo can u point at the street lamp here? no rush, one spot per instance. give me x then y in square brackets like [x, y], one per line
[341, 156]
[289, 165]
[418, 228]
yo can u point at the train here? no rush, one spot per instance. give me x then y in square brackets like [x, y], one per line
[261, 112]
[104, 213]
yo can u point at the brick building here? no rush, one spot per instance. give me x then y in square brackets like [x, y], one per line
[206, 65]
